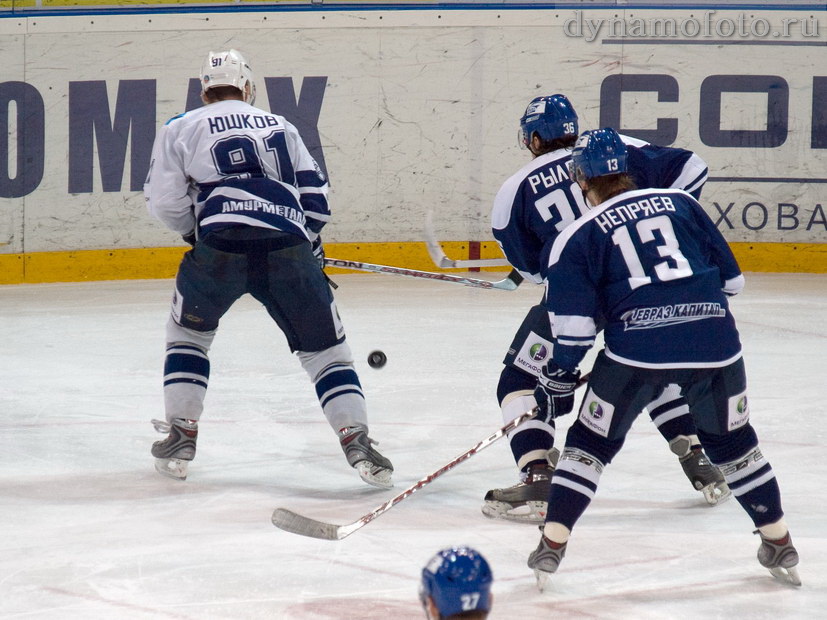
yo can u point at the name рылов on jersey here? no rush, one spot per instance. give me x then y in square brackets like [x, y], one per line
[549, 177]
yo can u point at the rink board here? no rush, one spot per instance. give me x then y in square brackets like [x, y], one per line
[408, 111]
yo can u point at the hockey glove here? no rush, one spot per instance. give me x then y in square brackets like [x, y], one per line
[189, 237]
[318, 251]
[555, 391]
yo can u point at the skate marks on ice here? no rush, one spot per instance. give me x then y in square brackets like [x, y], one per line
[91, 530]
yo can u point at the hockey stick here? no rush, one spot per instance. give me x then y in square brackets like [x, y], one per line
[443, 262]
[509, 283]
[290, 521]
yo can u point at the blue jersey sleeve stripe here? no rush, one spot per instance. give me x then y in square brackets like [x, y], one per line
[697, 181]
[309, 178]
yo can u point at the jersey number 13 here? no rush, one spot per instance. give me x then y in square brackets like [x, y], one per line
[676, 267]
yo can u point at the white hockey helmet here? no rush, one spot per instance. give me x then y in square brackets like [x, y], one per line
[228, 68]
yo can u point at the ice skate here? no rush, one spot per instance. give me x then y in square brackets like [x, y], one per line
[704, 476]
[173, 454]
[780, 558]
[545, 559]
[374, 468]
[526, 502]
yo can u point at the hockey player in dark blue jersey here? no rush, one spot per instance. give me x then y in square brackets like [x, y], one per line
[533, 206]
[456, 584]
[651, 266]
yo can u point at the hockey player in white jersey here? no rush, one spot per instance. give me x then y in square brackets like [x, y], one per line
[532, 207]
[239, 184]
[652, 267]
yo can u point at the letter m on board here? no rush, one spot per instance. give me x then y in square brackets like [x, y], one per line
[91, 125]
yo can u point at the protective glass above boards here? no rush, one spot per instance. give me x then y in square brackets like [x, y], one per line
[37, 6]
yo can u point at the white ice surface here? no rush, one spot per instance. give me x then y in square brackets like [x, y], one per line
[89, 530]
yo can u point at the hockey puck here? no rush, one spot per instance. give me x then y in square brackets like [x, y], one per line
[377, 359]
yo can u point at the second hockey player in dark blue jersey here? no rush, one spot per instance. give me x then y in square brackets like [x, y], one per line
[652, 267]
[533, 206]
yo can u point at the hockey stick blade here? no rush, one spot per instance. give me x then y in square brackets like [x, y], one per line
[443, 262]
[290, 521]
[295, 523]
[509, 283]
[305, 526]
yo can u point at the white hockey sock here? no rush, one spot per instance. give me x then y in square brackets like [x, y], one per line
[513, 406]
[337, 385]
[556, 532]
[775, 531]
[517, 403]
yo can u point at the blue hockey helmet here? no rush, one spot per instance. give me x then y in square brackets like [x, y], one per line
[458, 579]
[597, 153]
[550, 117]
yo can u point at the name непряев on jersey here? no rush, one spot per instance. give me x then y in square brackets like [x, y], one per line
[241, 121]
[619, 215]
